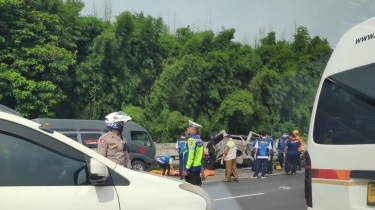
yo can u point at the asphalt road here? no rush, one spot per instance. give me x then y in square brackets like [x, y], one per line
[259, 194]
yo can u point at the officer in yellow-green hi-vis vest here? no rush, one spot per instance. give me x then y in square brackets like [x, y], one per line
[193, 155]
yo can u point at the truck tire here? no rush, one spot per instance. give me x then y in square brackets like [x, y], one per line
[138, 166]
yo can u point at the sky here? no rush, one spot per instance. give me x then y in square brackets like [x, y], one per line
[325, 18]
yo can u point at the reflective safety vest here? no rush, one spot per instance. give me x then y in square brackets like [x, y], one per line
[263, 147]
[181, 145]
[232, 150]
[193, 152]
[164, 159]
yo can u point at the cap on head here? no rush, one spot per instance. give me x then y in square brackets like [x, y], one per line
[226, 136]
[296, 132]
[193, 124]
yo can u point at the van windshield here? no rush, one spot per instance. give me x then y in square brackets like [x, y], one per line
[346, 108]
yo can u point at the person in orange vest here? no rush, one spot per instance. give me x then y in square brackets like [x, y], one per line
[296, 133]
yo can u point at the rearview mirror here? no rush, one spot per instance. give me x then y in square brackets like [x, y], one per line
[98, 172]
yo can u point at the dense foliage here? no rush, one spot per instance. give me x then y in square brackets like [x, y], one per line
[56, 63]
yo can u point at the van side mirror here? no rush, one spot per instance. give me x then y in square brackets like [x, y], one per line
[98, 172]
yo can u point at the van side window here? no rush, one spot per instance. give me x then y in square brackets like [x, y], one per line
[26, 163]
[73, 136]
[141, 138]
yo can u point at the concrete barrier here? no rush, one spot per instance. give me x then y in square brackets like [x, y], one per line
[169, 148]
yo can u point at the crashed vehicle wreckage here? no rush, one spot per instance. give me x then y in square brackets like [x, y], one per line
[244, 147]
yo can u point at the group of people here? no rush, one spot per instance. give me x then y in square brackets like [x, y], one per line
[191, 151]
[289, 147]
[113, 146]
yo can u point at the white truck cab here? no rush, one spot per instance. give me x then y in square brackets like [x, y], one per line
[43, 169]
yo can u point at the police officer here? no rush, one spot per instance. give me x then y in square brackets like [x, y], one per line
[262, 155]
[112, 144]
[281, 146]
[180, 145]
[193, 155]
[230, 157]
[292, 155]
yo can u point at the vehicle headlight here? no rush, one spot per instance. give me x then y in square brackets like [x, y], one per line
[199, 191]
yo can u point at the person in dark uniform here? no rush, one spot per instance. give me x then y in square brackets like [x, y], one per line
[262, 155]
[292, 154]
[270, 162]
[281, 147]
[165, 163]
[212, 152]
[180, 145]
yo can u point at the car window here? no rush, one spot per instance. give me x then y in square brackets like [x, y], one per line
[25, 163]
[90, 140]
[141, 138]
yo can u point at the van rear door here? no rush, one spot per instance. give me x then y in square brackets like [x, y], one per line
[343, 143]
[142, 146]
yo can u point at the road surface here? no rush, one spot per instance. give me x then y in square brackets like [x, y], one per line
[282, 192]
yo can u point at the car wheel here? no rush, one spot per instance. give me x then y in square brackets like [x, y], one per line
[138, 166]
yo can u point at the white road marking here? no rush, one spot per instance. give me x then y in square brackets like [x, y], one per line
[240, 196]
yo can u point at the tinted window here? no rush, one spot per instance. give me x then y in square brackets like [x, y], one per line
[90, 140]
[73, 136]
[141, 138]
[24, 162]
[346, 108]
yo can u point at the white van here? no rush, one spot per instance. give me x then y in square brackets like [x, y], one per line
[43, 169]
[340, 169]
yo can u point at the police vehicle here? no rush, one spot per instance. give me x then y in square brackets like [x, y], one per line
[339, 170]
[44, 169]
[87, 132]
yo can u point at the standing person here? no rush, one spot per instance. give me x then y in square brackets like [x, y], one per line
[212, 152]
[281, 147]
[165, 163]
[112, 144]
[292, 155]
[203, 165]
[180, 145]
[229, 156]
[296, 134]
[193, 155]
[262, 155]
[253, 153]
[270, 162]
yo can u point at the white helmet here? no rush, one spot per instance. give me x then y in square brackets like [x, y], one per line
[117, 117]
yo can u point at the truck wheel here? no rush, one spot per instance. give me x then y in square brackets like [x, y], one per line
[138, 166]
